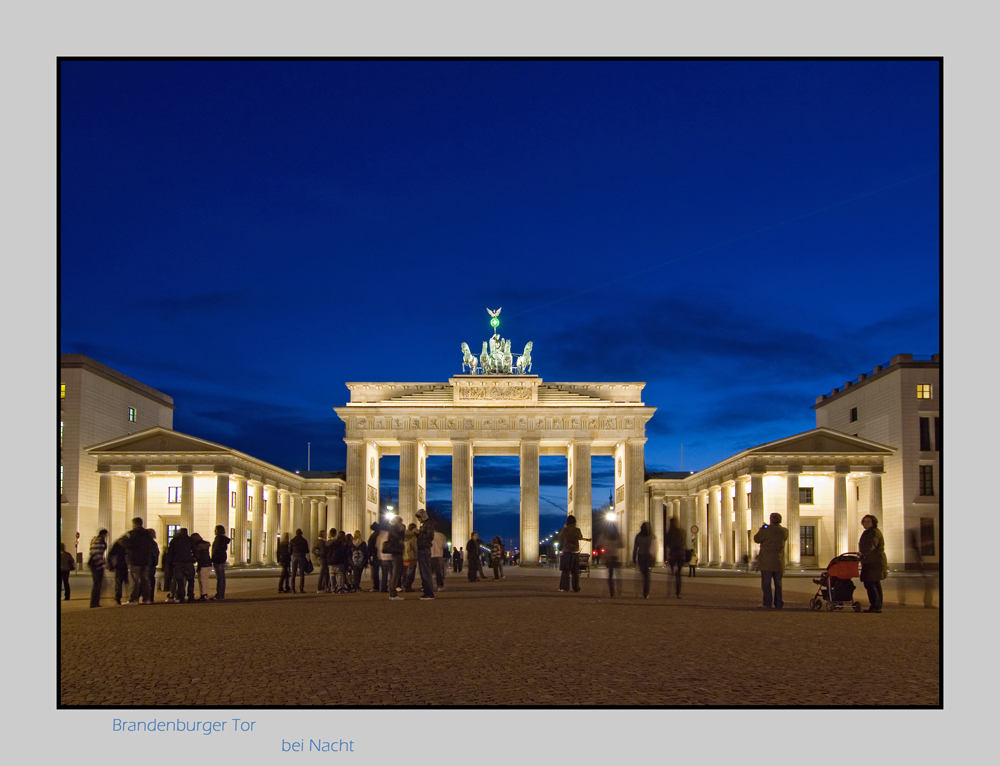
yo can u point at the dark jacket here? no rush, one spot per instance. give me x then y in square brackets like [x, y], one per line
[154, 555]
[116, 557]
[772, 548]
[66, 561]
[874, 564]
[570, 537]
[372, 550]
[299, 546]
[283, 553]
[472, 551]
[363, 548]
[202, 554]
[425, 535]
[676, 542]
[641, 547]
[137, 547]
[334, 552]
[181, 549]
[395, 542]
[220, 549]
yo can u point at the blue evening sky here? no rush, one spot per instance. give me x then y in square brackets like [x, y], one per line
[741, 235]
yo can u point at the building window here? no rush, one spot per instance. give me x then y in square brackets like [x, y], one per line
[131, 414]
[854, 414]
[171, 531]
[173, 494]
[60, 434]
[806, 497]
[937, 434]
[263, 508]
[924, 391]
[807, 541]
[926, 480]
[60, 479]
[232, 537]
[62, 390]
[232, 501]
[927, 537]
[925, 434]
[249, 502]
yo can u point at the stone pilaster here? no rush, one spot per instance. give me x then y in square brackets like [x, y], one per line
[221, 500]
[581, 487]
[333, 513]
[875, 495]
[714, 533]
[139, 498]
[529, 501]
[313, 532]
[187, 500]
[240, 536]
[271, 529]
[792, 509]
[104, 504]
[408, 481]
[636, 493]
[853, 522]
[742, 552]
[656, 519]
[257, 524]
[297, 513]
[285, 520]
[726, 525]
[354, 499]
[461, 493]
[701, 521]
[840, 535]
[756, 505]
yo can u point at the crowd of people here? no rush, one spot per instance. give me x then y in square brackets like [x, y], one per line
[395, 553]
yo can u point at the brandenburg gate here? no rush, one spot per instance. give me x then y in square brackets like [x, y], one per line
[503, 410]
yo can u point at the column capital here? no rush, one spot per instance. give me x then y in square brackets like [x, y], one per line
[636, 440]
[255, 482]
[794, 469]
[222, 470]
[105, 470]
[842, 470]
[352, 441]
[876, 470]
[581, 440]
[530, 439]
[138, 469]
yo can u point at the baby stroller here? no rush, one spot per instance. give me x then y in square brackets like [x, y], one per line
[836, 587]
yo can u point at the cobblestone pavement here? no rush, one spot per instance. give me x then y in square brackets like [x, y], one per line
[512, 642]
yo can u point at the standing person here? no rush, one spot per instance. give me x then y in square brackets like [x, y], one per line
[874, 563]
[374, 557]
[168, 574]
[154, 559]
[220, 552]
[394, 546]
[456, 560]
[676, 553]
[610, 544]
[346, 566]
[359, 559]
[300, 550]
[118, 562]
[334, 555]
[771, 559]
[138, 545]
[472, 556]
[569, 538]
[496, 557]
[96, 563]
[384, 557]
[438, 557]
[66, 565]
[203, 559]
[642, 555]
[692, 562]
[283, 555]
[321, 563]
[425, 539]
[182, 558]
[410, 557]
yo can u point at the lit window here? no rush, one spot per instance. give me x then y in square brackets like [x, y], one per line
[171, 531]
[60, 479]
[232, 501]
[60, 434]
[249, 502]
[854, 414]
[173, 494]
[807, 540]
[805, 496]
[924, 391]
[926, 480]
[131, 414]
[62, 390]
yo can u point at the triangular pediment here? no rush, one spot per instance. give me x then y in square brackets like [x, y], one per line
[156, 440]
[822, 441]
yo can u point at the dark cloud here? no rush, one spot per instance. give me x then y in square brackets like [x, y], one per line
[199, 305]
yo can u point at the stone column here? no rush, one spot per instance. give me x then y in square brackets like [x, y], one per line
[240, 534]
[792, 507]
[756, 506]
[408, 480]
[840, 510]
[221, 500]
[187, 499]
[104, 505]
[323, 516]
[271, 532]
[285, 521]
[529, 501]
[354, 501]
[635, 494]
[257, 525]
[701, 521]
[581, 487]
[130, 501]
[875, 496]
[714, 532]
[656, 517]
[333, 513]
[139, 498]
[852, 507]
[313, 532]
[726, 525]
[297, 521]
[461, 494]
[742, 545]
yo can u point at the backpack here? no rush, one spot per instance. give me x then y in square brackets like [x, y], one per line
[358, 557]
